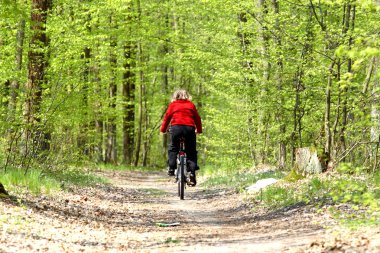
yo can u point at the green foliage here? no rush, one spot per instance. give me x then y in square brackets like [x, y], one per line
[349, 168]
[277, 197]
[350, 199]
[258, 75]
[294, 175]
[346, 190]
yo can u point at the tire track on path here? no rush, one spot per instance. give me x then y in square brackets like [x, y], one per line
[218, 221]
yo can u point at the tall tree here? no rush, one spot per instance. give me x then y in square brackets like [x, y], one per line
[129, 79]
[37, 56]
[111, 143]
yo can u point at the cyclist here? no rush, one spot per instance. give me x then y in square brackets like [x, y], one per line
[185, 121]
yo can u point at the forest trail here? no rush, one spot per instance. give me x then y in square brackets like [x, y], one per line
[123, 217]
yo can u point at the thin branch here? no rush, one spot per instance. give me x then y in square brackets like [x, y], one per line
[316, 16]
[349, 150]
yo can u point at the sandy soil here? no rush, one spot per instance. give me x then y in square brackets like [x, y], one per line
[123, 217]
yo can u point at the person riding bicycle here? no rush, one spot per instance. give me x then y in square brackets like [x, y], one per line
[184, 121]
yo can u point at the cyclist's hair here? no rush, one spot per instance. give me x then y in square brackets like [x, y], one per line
[181, 94]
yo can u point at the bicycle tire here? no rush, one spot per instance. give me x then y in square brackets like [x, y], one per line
[181, 178]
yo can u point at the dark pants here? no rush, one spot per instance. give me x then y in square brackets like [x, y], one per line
[176, 132]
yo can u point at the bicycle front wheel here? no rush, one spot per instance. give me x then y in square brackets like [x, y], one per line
[181, 177]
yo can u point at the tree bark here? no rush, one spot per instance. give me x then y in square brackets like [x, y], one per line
[141, 88]
[164, 69]
[328, 111]
[349, 24]
[375, 119]
[129, 80]
[111, 145]
[262, 128]
[83, 136]
[279, 80]
[34, 133]
[146, 125]
[140, 113]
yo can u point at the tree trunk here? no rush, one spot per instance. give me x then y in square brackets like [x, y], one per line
[83, 136]
[141, 88]
[164, 69]
[328, 111]
[146, 125]
[349, 24]
[129, 80]
[279, 80]
[298, 112]
[140, 119]
[34, 133]
[111, 145]
[375, 118]
[262, 127]
[82, 140]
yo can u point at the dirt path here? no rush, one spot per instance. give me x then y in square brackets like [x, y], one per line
[122, 218]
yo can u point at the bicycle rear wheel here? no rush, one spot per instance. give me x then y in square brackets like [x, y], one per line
[181, 177]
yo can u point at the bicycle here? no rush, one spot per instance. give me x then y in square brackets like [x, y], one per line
[182, 177]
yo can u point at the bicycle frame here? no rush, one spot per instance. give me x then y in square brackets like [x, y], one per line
[181, 175]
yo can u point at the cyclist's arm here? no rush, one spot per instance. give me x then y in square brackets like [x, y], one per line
[197, 121]
[167, 118]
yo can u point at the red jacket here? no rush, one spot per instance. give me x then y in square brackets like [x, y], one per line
[182, 112]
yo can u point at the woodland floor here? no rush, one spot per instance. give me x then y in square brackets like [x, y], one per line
[122, 217]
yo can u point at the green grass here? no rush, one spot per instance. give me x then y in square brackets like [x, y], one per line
[16, 180]
[277, 197]
[172, 240]
[239, 180]
[352, 199]
[37, 181]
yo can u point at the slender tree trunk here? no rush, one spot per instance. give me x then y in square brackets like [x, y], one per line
[375, 118]
[349, 24]
[140, 113]
[370, 71]
[83, 136]
[263, 117]
[111, 145]
[328, 111]
[141, 88]
[164, 69]
[279, 80]
[99, 116]
[146, 125]
[129, 80]
[334, 128]
[82, 140]
[298, 112]
[100, 132]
